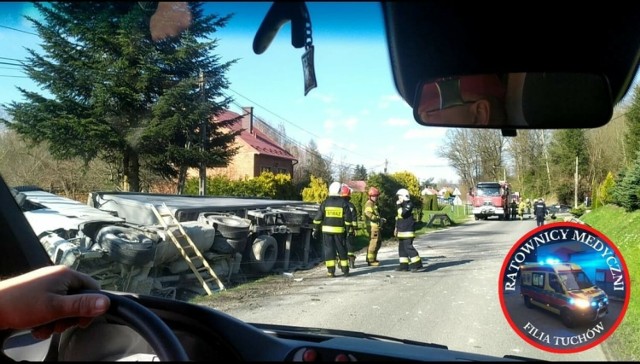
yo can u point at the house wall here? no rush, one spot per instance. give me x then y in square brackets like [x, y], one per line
[240, 167]
[247, 164]
[274, 164]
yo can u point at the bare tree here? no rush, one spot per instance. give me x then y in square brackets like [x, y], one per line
[460, 151]
[606, 148]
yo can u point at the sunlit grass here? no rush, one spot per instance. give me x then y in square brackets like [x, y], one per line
[623, 229]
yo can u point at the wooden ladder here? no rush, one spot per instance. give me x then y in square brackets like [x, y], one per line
[187, 248]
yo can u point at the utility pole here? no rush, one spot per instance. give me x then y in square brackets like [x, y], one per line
[385, 166]
[203, 147]
[575, 193]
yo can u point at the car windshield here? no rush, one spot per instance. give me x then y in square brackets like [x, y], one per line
[575, 281]
[128, 126]
[488, 191]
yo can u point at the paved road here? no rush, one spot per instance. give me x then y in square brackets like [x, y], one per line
[454, 302]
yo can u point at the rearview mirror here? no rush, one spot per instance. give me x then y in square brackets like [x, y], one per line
[515, 101]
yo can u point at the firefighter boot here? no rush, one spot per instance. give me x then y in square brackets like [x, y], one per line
[345, 270]
[352, 261]
[403, 267]
[415, 266]
[372, 260]
[331, 272]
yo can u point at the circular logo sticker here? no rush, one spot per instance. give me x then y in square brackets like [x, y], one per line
[564, 287]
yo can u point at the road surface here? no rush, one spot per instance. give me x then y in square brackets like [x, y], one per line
[454, 302]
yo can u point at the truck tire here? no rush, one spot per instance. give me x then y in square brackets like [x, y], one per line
[264, 253]
[527, 302]
[126, 246]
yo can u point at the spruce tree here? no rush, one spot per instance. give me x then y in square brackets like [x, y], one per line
[120, 94]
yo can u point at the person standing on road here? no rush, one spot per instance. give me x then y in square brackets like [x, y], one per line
[540, 210]
[333, 219]
[373, 221]
[350, 236]
[521, 207]
[405, 232]
[514, 209]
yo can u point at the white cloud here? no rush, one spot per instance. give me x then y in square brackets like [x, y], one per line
[341, 124]
[325, 146]
[425, 132]
[327, 99]
[351, 123]
[329, 125]
[397, 122]
[387, 100]
[365, 112]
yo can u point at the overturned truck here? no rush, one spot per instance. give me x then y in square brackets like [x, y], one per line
[171, 245]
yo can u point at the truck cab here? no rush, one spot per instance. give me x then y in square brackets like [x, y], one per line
[490, 199]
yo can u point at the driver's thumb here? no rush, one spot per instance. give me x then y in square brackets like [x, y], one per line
[83, 305]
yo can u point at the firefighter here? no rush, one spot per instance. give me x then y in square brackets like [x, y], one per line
[373, 221]
[405, 232]
[528, 202]
[521, 207]
[514, 209]
[350, 236]
[333, 219]
[540, 210]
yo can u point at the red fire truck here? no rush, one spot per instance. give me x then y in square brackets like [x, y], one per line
[491, 199]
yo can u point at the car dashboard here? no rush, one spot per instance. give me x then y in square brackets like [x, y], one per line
[206, 334]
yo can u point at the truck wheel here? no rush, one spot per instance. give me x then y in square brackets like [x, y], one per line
[567, 317]
[527, 302]
[126, 246]
[477, 217]
[264, 253]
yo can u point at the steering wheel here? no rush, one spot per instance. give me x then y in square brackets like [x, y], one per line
[146, 323]
[142, 320]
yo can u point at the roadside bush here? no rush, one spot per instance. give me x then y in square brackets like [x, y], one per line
[578, 211]
[267, 185]
[605, 191]
[317, 191]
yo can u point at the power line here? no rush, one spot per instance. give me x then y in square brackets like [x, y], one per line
[18, 30]
[291, 123]
[12, 64]
[298, 144]
[14, 76]
[13, 59]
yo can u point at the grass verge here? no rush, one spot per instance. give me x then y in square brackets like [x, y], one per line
[623, 229]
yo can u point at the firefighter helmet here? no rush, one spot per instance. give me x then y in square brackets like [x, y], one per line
[374, 192]
[345, 191]
[403, 193]
[334, 189]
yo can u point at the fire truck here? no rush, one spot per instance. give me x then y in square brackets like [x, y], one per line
[491, 199]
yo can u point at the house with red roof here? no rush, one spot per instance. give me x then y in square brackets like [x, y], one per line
[257, 152]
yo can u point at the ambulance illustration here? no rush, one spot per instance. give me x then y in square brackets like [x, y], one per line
[564, 289]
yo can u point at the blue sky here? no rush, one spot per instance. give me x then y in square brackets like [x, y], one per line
[355, 115]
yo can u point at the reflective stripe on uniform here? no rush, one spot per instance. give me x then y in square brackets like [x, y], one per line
[332, 229]
[406, 234]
